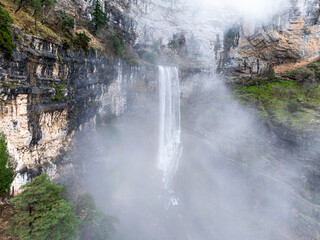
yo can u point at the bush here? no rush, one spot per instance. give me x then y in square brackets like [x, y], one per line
[65, 45]
[301, 75]
[150, 57]
[6, 38]
[67, 22]
[41, 213]
[60, 92]
[94, 224]
[231, 33]
[292, 107]
[82, 41]
[177, 42]
[6, 168]
[117, 45]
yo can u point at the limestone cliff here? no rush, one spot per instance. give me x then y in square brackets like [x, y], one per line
[292, 36]
[48, 94]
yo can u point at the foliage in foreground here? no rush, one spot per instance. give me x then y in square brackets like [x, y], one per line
[6, 168]
[41, 213]
[6, 38]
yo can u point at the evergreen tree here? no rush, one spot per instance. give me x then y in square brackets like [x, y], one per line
[6, 171]
[42, 214]
[39, 7]
[94, 224]
[99, 18]
[6, 39]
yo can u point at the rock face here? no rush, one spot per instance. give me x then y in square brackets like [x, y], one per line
[48, 94]
[291, 36]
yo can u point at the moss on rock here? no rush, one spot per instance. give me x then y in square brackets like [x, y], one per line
[284, 102]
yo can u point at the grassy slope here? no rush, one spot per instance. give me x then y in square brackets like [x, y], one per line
[289, 102]
[25, 21]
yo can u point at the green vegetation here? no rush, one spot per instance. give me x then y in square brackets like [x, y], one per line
[94, 224]
[41, 213]
[300, 74]
[60, 92]
[6, 38]
[177, 42]
[82, 41]
[285, 102]
[39, 8]
[117, 43]
[6, 167]
[99, 18]
[67, 23]
[65, 45]
[150, 57]
[231, 33]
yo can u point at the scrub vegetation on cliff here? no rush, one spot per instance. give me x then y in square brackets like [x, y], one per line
[292, 101]
[39, 18]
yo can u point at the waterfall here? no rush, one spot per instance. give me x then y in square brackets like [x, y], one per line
[170, 147]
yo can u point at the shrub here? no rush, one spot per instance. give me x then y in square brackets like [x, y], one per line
[6, 168]
[65, 45]
[150, 57]
[41, 213]
[231, 33]
[60, 92]
[177, 42]
[292, 107]
[94, 224]
[67, 22]
[6, 38]
[117, 45]
[82, 41]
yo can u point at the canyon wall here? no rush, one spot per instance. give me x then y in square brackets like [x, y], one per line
[291, 37]
[48, 94]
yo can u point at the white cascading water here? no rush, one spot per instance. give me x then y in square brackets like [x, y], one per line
[170, 147]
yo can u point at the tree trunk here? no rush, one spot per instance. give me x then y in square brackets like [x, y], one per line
[35, 24]
[20, 5]
[18, 9]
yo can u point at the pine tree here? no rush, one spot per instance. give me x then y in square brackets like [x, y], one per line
[41, 213]
[6, 39]
[94, 224]
[6, 171]
[39, 7]
[99, 18]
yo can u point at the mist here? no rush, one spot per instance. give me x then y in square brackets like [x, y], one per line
[261, 9]
[235, 179]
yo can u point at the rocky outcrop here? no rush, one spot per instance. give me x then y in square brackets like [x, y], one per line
[48, 94]
[291, 36]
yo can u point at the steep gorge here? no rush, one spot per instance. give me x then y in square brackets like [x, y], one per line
[89, 119]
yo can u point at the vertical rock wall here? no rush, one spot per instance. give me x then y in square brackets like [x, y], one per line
[48, 94]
